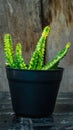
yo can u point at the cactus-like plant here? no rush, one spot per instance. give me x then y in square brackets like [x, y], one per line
[54, 63]
[37, 59]
[8, 48]
[15, 60]
[19, 61]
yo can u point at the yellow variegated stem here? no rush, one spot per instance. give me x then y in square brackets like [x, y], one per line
[54, 63]
[41, 55]
[37, 59]
[8, 48]
[18, 57]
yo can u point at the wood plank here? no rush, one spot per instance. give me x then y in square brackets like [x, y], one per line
[24, 23]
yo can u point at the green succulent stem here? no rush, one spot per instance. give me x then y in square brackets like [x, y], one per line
[19, 58]
[15, 60]
[54, 63]
[37, 59]
[8, 48]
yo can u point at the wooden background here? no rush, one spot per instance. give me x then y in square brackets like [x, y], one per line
[25, 19]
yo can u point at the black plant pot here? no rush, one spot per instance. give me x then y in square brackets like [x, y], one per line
[34, 93]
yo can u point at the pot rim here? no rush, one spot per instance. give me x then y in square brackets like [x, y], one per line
[50, 70]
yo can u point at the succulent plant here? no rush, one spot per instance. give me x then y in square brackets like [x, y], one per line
[19, 61]
[37, 58]
[8, 48]
[16, 60]
[54, 63]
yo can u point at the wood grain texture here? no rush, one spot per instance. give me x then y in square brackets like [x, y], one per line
[25, 19]
[24, 23]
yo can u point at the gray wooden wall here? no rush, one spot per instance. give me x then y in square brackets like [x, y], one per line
[25, 19]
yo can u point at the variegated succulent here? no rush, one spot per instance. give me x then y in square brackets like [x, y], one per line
[16, 60]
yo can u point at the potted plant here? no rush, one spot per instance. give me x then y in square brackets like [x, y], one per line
[33, 87]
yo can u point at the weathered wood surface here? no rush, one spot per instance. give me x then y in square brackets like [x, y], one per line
[24, 23]
[24, 20]
[60, 14]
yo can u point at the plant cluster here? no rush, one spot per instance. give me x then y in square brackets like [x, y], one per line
[16, 60]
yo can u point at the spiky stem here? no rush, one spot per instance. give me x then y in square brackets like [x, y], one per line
[8, 48]
[37, 59]
[18, 57]
[54, 63]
